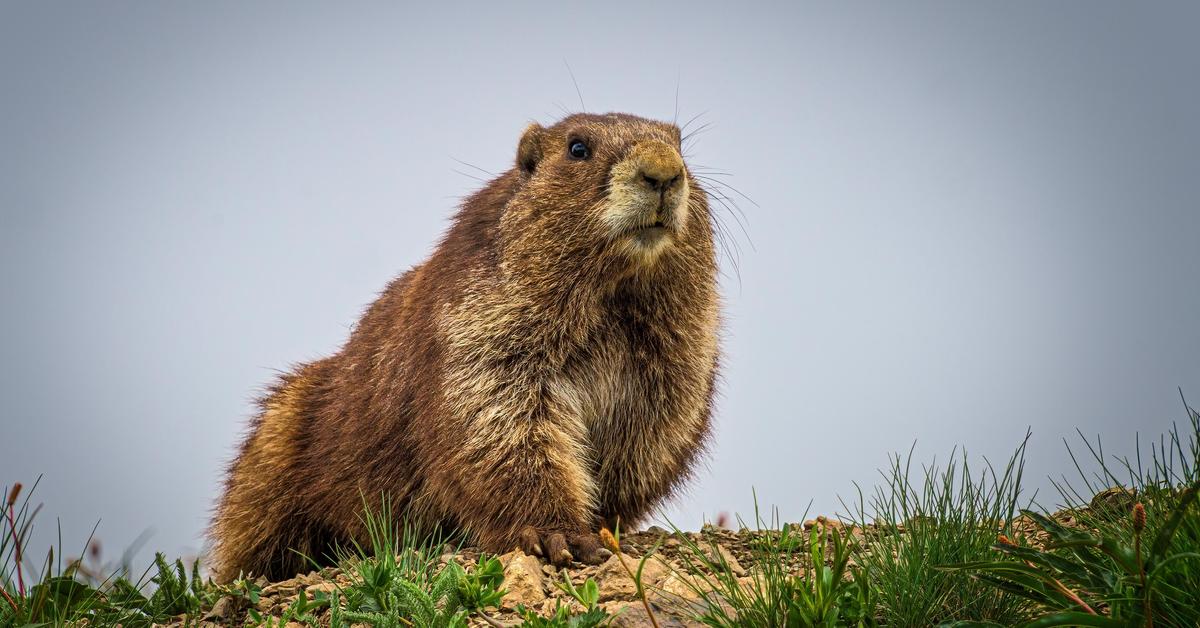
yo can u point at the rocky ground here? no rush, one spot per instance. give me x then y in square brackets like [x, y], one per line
[531, 582]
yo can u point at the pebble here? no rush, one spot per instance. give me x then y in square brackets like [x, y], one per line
[522, 580]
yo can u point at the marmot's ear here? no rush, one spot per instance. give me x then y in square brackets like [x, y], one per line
[529, 151]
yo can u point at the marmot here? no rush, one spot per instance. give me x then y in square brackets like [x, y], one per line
[547, 371]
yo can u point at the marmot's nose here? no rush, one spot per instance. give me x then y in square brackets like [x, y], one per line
[658, 184]
[659, 165]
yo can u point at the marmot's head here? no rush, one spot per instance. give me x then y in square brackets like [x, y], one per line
[612, 187]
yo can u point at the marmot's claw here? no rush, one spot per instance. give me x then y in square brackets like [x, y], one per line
[560, 549]
[527, 541]
[587, 548]
[557, 551]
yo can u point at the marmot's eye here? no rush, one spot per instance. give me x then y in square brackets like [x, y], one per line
[578, 150]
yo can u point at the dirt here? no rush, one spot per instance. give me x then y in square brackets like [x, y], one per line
[668, 576]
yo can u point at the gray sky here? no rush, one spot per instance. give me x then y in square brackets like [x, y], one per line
[971, 218]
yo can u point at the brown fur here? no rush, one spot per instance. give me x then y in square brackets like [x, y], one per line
[545, 372]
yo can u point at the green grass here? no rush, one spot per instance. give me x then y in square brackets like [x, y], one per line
[929, 545]
[55, 593]
[798, 580]
[938, 549]
[951, 514]
[562, 616]
[1161, 485]
[1132, 559]
[400, 581]
[397, 580]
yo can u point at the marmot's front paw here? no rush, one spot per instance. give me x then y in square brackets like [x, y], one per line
[561, 548]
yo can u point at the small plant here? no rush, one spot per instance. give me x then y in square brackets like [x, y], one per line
[612, 540]
[299, 611]
[392, 600]
[175, 593]
[562, 617]
[125, 603]
[243, 590]
[480, 589]
[796, 582]
[588, 597]
[399, 581]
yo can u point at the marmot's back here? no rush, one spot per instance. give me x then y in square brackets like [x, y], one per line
[547, 371]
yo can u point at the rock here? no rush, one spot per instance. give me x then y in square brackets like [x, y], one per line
[633, 615]
[614, 580]
[824, 523]
[723, 556]
[283, 587]
[673, 590]
[522, 580]
[618, 609]
[1116, 501]
[321, 587]
[222, 611]
[748, 583]
[312, 577]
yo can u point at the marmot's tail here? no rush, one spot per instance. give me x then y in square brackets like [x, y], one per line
[261, 528]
